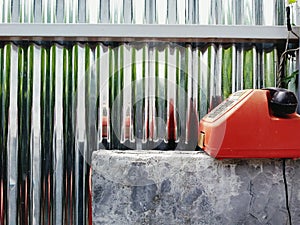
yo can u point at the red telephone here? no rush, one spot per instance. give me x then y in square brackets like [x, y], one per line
[253, 124]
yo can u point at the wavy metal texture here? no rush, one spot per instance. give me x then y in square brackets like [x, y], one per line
[229, 12]
[61, 101]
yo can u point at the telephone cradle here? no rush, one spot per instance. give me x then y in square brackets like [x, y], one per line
[253, 123]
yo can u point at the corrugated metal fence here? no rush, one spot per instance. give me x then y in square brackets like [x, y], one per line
[246, 12]
[59, 101]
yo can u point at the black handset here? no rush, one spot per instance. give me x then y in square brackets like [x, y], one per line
[282, 101]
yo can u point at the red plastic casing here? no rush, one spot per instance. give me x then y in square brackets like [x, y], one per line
[243, 127]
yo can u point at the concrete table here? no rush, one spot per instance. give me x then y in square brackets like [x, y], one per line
[188, 187]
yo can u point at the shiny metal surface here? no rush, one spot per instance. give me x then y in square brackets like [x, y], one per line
[145, 33]
[64, 101]
[226, 12]
[103, 75]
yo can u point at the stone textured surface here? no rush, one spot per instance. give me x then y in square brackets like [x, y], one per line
[151, 187]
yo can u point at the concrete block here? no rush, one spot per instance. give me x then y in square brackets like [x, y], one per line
[188, 187]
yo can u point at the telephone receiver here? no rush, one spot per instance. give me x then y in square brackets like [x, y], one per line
[282, 102]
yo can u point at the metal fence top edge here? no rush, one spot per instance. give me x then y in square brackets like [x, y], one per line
[144, 32]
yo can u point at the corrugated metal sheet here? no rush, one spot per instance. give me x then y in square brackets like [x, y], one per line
[247, 12]
[61, 101]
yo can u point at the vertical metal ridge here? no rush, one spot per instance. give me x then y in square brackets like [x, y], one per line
[91, 123]
[171, 83]
[181, 81]
[255, 68]
[11, 54]
[69, 113]
[92, 12]
[17, 11]
[146, 57]
[269, 70]
[82, 11]
[24, 123]
[138, 11]
[181, 13]
[116, 84]
[59, 11]
[160, 98]
[151, 130]
[239, 69]
[215, 79]
[172, 12]
[67, 11]
[150, 11]
[58, 139]
[189, 12]
[127, 135]
[197, 72]
[91, 101]
[47, 134]
[37, 11]
[102, 72]
[117, 15]
[2, 9]
[291, 68]
[7, 11]
[139, 102]
[226, 69]
[280, 13]
[35, 137]
[193, 111]
[249, 62]
[127, 11]
[189, 76]
[161, 11]
[104, 12]
[234, 68]
[4, 102]
[204, 81]
[79, 52]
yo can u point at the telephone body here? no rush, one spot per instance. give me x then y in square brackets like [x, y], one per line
[253, 123]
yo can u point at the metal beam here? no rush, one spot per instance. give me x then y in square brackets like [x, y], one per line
[137, 32]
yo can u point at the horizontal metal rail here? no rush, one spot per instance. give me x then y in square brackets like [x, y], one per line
[144, 32]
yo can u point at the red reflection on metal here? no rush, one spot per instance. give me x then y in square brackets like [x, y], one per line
[192, 125]
[171, 122]
[90, 217]
[46, 200]
[49, 199]
[23, 207]
[26, 201]
[104, 127]
[1, 202]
